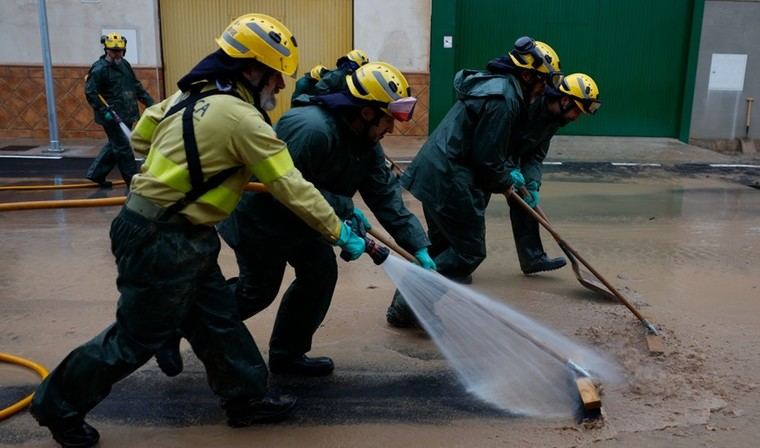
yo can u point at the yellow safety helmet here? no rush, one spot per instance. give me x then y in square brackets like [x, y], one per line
[583, 90]
[114, 41]
[358, 56]
[264, 38]
[384, 84]
[537, 56]
[317, 72]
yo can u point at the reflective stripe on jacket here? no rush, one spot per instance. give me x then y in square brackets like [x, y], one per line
[229, 132]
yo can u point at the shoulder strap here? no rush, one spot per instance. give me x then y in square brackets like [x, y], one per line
[198, 186]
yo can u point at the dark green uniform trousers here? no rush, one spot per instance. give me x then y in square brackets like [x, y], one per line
[457, 246]
[527, 235]
[305, 303]
[169, 281]
[116, 152]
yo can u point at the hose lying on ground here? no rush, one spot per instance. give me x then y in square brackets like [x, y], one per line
[23, 403]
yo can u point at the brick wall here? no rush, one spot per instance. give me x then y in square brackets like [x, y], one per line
[418, 125]
[23, 105]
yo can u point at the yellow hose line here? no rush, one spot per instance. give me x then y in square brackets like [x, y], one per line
[19, 405]
[54, 187]
[100, 202]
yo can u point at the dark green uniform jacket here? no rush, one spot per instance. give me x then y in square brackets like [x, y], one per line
[339, 163]
[466, 157]
[119, 86]
[531, 143]
[332, 81]
[304, 85]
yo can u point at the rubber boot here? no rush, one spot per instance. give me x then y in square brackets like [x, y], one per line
[530, 251]
[79, 435]
[169, 358]
[532, 257]
[399, 314]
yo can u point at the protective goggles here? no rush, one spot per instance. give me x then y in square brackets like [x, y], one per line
[527, 46]
[588, 105]
[552, 79]
[402, 108]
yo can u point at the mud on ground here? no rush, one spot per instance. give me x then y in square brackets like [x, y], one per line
[684, 249]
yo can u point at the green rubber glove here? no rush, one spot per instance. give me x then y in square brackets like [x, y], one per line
[516, 179]
[423, 258]
[352, 244]
[359, 220]
[533, 197]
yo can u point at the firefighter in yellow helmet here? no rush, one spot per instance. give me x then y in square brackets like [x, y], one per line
[333, 80]
[112, 79]
[334, 140]
[203, 143]
[465, 159]
[306, 83]
[575, 95]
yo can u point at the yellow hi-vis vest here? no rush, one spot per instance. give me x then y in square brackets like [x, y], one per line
[230, 133]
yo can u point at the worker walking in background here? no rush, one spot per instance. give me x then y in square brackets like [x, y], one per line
[112, 79]
[466, 158]
[205, 142]
[334, 140]
[577, 94]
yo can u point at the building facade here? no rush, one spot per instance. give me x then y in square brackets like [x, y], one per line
[682, 68]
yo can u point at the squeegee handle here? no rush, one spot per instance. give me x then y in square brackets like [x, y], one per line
[511, 193]
[392, 245]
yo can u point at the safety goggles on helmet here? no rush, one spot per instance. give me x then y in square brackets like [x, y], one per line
[402, 108]
[552, 79]
[588, 105]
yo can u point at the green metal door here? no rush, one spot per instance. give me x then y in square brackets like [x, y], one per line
[642, 53]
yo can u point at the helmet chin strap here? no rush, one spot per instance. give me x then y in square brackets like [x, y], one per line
[255, 90]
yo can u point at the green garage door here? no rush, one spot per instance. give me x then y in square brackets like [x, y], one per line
[642, 53]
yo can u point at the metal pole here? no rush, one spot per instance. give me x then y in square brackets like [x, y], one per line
[48, 70]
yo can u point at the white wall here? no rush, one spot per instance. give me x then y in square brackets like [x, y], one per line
[395, 31]
[74, 28]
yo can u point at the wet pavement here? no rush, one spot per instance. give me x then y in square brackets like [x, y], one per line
[683, 245]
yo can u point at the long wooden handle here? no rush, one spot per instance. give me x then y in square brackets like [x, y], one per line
[54, 187]
[392, 245]
[564, 243]
[82, 203]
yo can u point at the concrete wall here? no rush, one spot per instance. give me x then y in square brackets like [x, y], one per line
[728, 27]
[74, 28]
[395, 31]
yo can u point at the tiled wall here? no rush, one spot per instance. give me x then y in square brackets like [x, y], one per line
[418, 125]
[23, 105]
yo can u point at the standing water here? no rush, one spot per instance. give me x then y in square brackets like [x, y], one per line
[489, 345]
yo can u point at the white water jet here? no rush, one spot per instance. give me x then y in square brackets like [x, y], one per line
[481, 339]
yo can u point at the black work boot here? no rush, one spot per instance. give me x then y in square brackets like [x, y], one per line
[102, 183]
[301, 365]
[79, 435]
[269, 409]
[169, 358]
[530, 250]
[399, 315]
[542, 264]
[532, 257]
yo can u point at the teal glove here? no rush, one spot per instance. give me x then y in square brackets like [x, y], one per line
[108, 116]
[424, 259]
[533, 198]
[350, 242]
[360, 218]
[517, 179]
